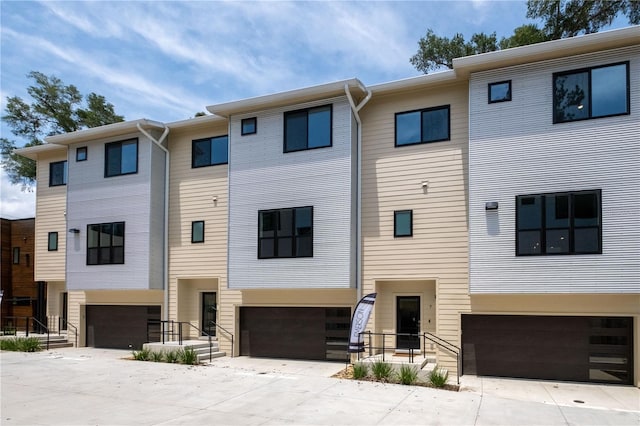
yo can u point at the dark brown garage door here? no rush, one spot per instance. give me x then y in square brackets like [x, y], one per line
[586, 349]
[297, 333]
[119, 327]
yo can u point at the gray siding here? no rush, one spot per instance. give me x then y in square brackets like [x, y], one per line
[262, 177]
[516, 149]
[92, 198]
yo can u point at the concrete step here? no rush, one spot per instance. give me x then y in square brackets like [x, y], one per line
[204, 358]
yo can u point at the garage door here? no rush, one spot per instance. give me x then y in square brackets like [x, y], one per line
[297, 333]
[119, 327]
[587, 349]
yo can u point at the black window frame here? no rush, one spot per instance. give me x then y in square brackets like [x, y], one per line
[56, 164]
[295, 239]
[570, 228]
[195, 240]
[249, 121]
[15, 256]
[590, 98]
[82, 150]
[52, 247]
[306, 111]
[422, 138]
[211, 141]
[505, 99]
[119, 144]
[112, 260]
[396, 213]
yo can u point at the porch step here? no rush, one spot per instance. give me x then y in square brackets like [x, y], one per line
[202, 350]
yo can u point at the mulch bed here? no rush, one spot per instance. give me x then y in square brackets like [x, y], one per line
[347, 373]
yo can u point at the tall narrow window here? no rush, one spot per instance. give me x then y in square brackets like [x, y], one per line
[197, 231]
[105, 243]
[58, 173]
[53, 241]
[16, 255]
[403, 223]
[121, 158]
[307, 128]
[285, 233]
[209, 151]
[422, 126]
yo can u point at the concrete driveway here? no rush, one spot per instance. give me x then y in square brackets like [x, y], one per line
[98, 387]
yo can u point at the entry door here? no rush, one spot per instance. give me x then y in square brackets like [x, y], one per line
[408, 321]
[209, 309]
[63, 312]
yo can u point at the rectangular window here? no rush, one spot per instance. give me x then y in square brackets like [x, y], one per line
[561, 223]
[16, 255]
[422, 126]
[209, 151]
[285, 233]
[197, 231]
[81, 153]
[249, 126]
[58, 173]
[105, 243]
[403, 223]
[591, 93]
[308, 128]
[52, 241]
[121, 158]
[500, 91]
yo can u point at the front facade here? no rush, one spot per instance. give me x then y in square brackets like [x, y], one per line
[473, 200]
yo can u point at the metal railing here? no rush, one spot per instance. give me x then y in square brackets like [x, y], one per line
[68, 324]
[172, 329]
[424, 336]
[227, 333]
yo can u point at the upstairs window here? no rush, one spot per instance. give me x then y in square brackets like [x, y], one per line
[500, 92]
[403, 223]
[561, 223]
[16, 255]
[81, 153]
[422, 126]
[249, 126]
[307, 128]
[285, 233]
[197, 231]
[591, 93]
[209, 151]
[52, 239]
[105, 243]
[58, 173]
[121, 158]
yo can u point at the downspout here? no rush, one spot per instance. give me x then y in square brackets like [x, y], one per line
[356, 110]
[165, 274]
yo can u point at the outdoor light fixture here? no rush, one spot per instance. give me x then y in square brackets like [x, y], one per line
[491, 205]
[74, 230]
[425, 184]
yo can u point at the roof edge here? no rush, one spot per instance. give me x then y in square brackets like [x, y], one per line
[108, 130]
[32, 152]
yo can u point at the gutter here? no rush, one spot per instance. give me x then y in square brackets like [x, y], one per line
[165, 274]
[356, 109]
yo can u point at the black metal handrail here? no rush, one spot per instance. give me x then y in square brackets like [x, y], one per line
[229, 334]
[68, 324]
[42, 326]
[168, 328]
[447, 346]
[201, 332]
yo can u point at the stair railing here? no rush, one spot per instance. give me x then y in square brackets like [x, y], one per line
[445, 345]
[201, 332]
[42, 326]
[68, 324]
[228, 334]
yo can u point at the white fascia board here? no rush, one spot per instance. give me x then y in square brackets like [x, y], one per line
[32, 152]
[196, 122]
[108, 130]
[436, 78]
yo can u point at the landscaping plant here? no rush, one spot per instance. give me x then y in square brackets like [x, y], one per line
[142, 355]
[188, 356]
[438, 376]
[157, 356]
[21, 344]
[360, 370]
[381, 370]
[408, 374]
[171, 357]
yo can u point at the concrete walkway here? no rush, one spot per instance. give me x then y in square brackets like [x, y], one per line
[81, 386]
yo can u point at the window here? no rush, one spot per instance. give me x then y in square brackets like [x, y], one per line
[591, 93]
[561, 223]
[209, 151]
[197, 231]
[307, 128]
[121, 158]
[249, 126]
[422, 126]
[58, 173]
[52, 241]
[500, 91]
[16, 255]
[81, 153]
[403, 223]
[285, 233]
[105, 243]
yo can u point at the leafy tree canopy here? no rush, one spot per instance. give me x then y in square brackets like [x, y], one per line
[55, 108]
[561, 18]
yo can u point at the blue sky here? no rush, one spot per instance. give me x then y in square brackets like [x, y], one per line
[167, 60]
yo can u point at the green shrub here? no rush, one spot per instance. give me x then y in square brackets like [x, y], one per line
[157, 356]
[142, 355]
[171, 356]
[21, 344]
[381, 370]
[438, 377]
[188, 356]
[408, 374]
[360, 370]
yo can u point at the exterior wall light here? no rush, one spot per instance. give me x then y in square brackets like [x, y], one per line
[74, 230]
[491, 205]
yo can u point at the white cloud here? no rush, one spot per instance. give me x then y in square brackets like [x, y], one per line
[15, 203]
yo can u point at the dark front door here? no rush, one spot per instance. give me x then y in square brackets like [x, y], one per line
[408, 322]
[209, 309]
[63, 312]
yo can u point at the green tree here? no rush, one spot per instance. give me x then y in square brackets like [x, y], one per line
[568, 18]
[55, 108]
